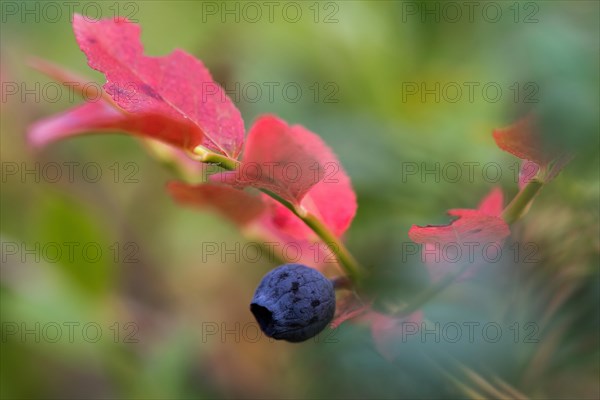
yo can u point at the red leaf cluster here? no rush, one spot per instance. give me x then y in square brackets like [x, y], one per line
[174, 99]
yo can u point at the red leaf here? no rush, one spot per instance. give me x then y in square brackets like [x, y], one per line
[332, 200]
[239, 206]
[470, 227]
[298, 166]
[465, 240]
[100, 116]
[523, 139]
[176, 89]
[493, 203]
[279, 158]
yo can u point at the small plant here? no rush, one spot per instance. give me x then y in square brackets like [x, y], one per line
[274, 180]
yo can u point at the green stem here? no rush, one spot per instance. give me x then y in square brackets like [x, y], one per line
[517, 207]
[352, 268]
[201, 153]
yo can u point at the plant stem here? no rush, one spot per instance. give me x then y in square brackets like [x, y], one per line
[353, 269]
[203, 154]
[517, 207]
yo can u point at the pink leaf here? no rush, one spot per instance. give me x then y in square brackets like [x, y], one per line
[523, 139]
[100, 116]
[239, 206]
[466, 240]
[493, 203]
[472, 227]
[177, 88]
[279, 158]
[298, 166]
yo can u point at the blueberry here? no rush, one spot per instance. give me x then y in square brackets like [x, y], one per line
[293, 302]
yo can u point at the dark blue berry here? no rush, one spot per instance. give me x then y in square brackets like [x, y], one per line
[293, 302]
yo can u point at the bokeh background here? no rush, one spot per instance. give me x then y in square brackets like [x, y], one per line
[152, 316]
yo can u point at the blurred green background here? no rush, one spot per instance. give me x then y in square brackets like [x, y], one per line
[151, 316]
